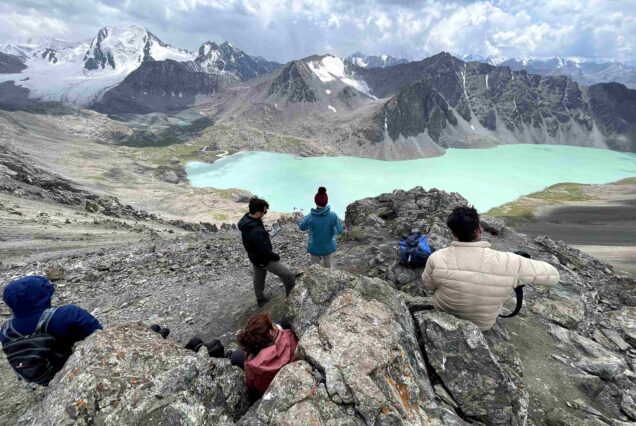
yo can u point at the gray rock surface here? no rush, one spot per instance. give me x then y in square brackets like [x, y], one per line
[130, 375]
[359, 335]
[460, 355]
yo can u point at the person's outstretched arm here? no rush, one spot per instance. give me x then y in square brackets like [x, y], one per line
[535, 271]
[303, 223]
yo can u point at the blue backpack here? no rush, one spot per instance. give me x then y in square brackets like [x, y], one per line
[415, 249]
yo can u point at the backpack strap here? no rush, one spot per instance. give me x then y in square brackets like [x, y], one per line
[519, 294]
[10, 332]
[45, 318]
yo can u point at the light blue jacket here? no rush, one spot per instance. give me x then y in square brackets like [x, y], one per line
[323, 226]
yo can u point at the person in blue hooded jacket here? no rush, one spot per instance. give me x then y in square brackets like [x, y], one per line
[323, 226]
[28, 298]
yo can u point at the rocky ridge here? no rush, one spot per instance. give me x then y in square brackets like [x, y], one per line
[371, 348]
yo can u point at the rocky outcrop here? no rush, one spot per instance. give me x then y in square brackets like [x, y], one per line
[10, 64]
[569, 357]
[460, 355]
[614, 107]
[292, 83]
[498, 105]
[130, 375]
[226, 59]
[583, 328]
[159, 86]
[418, 109]
[360, 358]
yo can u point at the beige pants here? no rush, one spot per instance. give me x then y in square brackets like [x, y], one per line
[277, 268]
[315, 260]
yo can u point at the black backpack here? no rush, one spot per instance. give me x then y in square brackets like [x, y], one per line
[36, 357]
[415, 249]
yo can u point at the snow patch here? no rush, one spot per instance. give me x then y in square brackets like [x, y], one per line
[332, 108]
[472, 127]
[331, 68]
[486, 81]
[328, 92]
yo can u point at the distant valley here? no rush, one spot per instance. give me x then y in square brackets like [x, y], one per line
[368, 106]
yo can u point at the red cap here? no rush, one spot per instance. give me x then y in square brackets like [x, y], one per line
[321, 198]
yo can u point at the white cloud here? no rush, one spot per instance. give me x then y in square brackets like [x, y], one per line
[24, 25]
[289, 29]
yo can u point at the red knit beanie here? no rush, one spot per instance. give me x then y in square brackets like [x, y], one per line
[321, 198]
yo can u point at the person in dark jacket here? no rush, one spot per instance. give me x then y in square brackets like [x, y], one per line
[323, 226]
[260, 252]
[29, 297]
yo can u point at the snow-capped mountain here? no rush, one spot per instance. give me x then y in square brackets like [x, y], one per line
[579, 70]
[490, 59]
[31, 46]
[80, 72]
[126, 48]
[230, 61]
[370, 61]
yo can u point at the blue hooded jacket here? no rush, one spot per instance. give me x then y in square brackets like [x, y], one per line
[323, 226]
[28, 297]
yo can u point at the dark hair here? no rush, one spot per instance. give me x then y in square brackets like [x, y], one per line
[464, 222]
[256, 335]
[258, 205]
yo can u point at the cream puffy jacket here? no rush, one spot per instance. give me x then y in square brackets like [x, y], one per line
[472, 281]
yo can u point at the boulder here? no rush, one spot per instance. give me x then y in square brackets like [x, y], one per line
[563, 308]
[588, 355]
[297, 397]
[623, 320]
[127, 374]
[362, 364]
[403, 210]
[460, 355]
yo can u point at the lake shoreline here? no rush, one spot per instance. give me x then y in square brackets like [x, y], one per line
[603, 225]
[485, 177]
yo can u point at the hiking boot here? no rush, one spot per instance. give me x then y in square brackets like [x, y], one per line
[262, 300]
[164, 332]
[194, 344]
[215, 348]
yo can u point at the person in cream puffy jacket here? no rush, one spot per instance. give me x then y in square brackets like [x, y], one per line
[472, 281]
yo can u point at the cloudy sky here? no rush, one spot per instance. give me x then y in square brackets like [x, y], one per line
[286, 29]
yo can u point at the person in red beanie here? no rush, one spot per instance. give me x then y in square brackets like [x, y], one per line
[323, 226]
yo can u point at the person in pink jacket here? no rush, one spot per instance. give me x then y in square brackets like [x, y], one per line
[266, 348]
[472, 281]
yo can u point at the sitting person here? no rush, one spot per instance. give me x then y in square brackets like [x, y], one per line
[472, 281]
[266, 348]
[39, 339]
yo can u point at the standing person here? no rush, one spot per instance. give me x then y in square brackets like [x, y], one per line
[39, 339]
[323, 226]
[260, 252]
[472, 281]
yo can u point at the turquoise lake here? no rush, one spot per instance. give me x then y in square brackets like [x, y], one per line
[486, 177]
